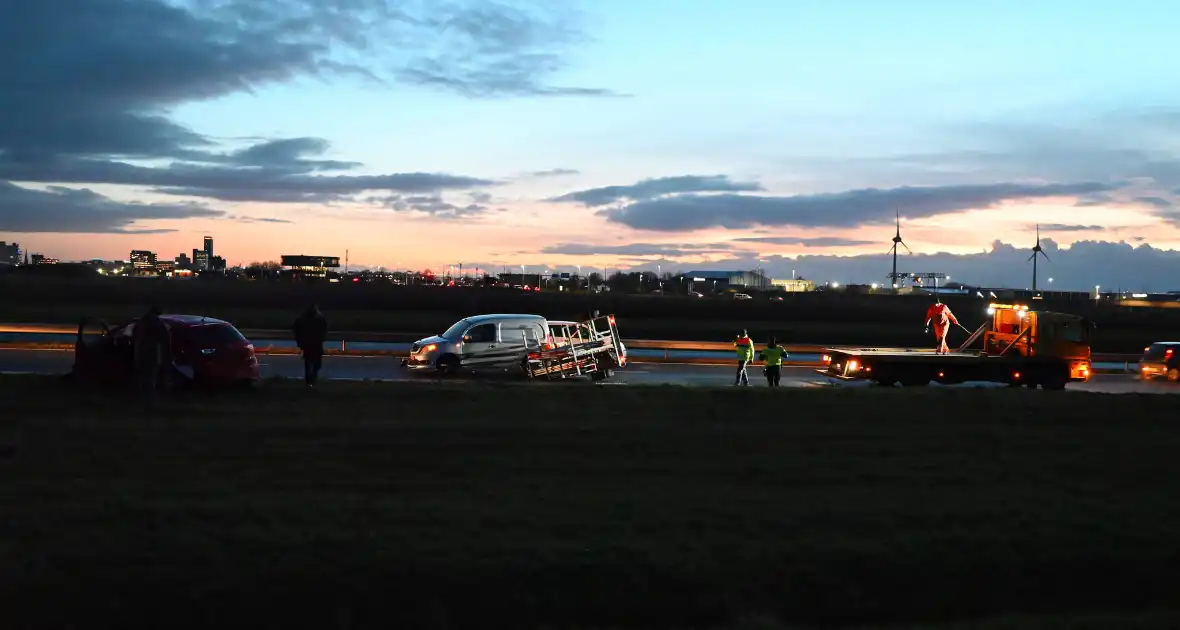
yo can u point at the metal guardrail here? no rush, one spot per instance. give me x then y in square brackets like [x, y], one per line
[345, 337]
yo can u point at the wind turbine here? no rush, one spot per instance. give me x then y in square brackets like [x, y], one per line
[1037, 250]
[897, 241]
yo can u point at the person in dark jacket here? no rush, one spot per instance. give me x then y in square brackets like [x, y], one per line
[152, 346]
[311, 330]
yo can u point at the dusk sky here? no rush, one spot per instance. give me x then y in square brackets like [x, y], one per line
[611, 134]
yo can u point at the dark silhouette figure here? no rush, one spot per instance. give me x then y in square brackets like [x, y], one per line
[152, 346]
[311, 330]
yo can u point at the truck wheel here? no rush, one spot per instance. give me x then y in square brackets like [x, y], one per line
[524, 369]
[1055, 384]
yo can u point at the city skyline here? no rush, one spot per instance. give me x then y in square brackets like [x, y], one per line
[611, 135]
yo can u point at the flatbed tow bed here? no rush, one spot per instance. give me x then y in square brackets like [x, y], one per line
[1020, 347]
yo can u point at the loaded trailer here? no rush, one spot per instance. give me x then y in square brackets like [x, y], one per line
[591, 348]
[1016, 346]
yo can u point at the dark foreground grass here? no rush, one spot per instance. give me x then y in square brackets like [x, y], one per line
[432, 506]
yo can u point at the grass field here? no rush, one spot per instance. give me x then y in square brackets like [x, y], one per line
[430, 506]
[813, 318]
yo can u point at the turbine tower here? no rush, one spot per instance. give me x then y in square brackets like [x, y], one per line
[1037, 250]
[896, 241]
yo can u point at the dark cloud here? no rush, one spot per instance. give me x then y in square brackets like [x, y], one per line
[281, 182]
[1113, 266]
[636, 249]
[555, 172]
[1063, 227]
[433, 205]
[658, 187]
[820, 241]
[1155, 202]
[61, 209]
[845, 209]
[241, 219]
[95, 79]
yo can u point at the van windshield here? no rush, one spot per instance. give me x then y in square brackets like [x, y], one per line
[456, 330]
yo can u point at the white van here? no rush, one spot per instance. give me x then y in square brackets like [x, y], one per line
[480, 342]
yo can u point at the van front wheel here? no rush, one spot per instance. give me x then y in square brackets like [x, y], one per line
[448, 365]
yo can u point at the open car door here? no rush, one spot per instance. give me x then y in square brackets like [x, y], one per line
[96, 355]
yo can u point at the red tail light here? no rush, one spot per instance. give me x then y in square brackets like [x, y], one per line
[1168, 354]
[611, 319]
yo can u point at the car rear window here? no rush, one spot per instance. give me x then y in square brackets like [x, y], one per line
[1158, 350]
[216, 335]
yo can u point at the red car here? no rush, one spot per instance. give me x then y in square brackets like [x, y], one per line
[205, 351]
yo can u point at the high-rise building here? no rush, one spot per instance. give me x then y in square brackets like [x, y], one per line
[200, 260]
[209, 247]
[143, 261]
[9, 253]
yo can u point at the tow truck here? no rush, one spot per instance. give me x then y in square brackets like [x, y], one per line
[1019, 347]
[576, 349]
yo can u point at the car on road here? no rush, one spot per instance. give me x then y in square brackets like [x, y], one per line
[480, 342]
[1160, 359]
[205, 351]
[742, 296]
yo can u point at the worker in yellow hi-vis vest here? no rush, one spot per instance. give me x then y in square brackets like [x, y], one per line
[744, 348]
[773, 356]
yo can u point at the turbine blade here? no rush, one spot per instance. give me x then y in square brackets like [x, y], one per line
[1034, 255]
[1046, 256]
[907, 247]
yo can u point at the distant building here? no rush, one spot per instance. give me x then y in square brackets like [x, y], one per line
[710, 281]
[143, 261]
[308, 263]
[200, 260]
[793, 285]
[304, 266]
[184, 262]
[208, 247]
[10, 253]
[166, 266]
[40, 259]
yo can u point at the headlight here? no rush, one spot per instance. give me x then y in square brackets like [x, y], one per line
[429, 348]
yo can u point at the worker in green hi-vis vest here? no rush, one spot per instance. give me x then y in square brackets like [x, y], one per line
[744, 348]
[773, 356]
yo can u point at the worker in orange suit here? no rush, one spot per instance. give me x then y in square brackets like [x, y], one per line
[941, 317]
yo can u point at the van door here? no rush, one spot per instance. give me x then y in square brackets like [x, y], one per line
[514, 341]
[480, 346]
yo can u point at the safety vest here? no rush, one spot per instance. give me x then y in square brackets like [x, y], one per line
[774, 355]
[744, 348]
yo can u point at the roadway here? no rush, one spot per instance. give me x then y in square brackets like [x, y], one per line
[386, 368]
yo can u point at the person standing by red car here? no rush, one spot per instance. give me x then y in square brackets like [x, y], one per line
[311, 330]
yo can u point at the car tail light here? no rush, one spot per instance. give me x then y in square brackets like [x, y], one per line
[1168, 354]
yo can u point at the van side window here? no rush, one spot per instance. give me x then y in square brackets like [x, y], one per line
[484, 333]
[514, 335]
